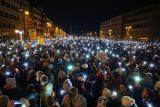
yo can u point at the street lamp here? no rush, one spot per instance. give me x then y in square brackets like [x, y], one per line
[25, 15]
[26, 12]
[20, 34]
[110, 33]
[128, 31]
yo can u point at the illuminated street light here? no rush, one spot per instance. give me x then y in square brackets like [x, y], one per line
[26, 13]
[128, 31]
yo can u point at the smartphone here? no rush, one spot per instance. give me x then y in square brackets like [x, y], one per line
[17, 103]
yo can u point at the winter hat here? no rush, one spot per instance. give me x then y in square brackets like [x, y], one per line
[67, 85]
[106, 92]
[44, 80]
[4, 100]
[84, 66]
[11, 82]
[39, 73]
[157, 86]
[102, 101]
[62, 74]
[119, 70]
[148, 74]
[127, 101]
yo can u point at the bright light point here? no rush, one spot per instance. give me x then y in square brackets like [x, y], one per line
[70, 67]
[58, 51]
[137, 79]
[62, 92]
[114, 93]
[149, 105]
[106, 50]
[16, 31]
[98, 48]
[113, 55]
[23, 105]
[130, 87]
[7, 73]
[119, 63]
[105, 72]
[134, 57]
[87, 56]
[26, 13]
[117, 56]
[144, 62]
[26, 55]
[25, 64]
[84, 77]
[151, 65]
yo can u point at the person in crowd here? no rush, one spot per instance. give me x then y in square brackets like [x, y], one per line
[157, 94]
[11, 89]
[87, 93]
[102, 71]
[32, 96]
[128, 102]
[46, 89]
[67, 85]
[74, 99]
[4, 100]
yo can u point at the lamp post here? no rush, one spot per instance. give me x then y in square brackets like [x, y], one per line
[110, 33]
[48, 28]
[128, 31]
[20, 34]
[25, 15]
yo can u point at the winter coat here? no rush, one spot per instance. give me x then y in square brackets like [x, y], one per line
[80, 101]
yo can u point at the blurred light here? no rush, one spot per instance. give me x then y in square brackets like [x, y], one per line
[84, 77]
[137, 79]
[7, 73]
[144, 63]
[25, 64]
[26, 13]
[130, 87]
[87, 56]
[70, 67]
[114, 93]
[58, 51]
[149, 105]
[119, 63]
[106, 50]
[98, 48]
[151, 65]
[62, 92]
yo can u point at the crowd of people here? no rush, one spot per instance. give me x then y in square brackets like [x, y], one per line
[79, 72]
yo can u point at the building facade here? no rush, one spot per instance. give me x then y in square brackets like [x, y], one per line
[142, 24]
[112, 29]
[10, 16]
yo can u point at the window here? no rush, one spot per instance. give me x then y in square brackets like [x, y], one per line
[1, 13]
[6, 15]
[3, 3]
[10, 16]
[8, 5]
[12, 7]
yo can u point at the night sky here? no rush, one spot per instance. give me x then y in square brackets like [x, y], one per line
[86, 15]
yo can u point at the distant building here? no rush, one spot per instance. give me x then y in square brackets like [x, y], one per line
[142, 24]
[10, 15]
[112, 29]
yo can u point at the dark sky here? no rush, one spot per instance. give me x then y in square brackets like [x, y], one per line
[86, 15]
